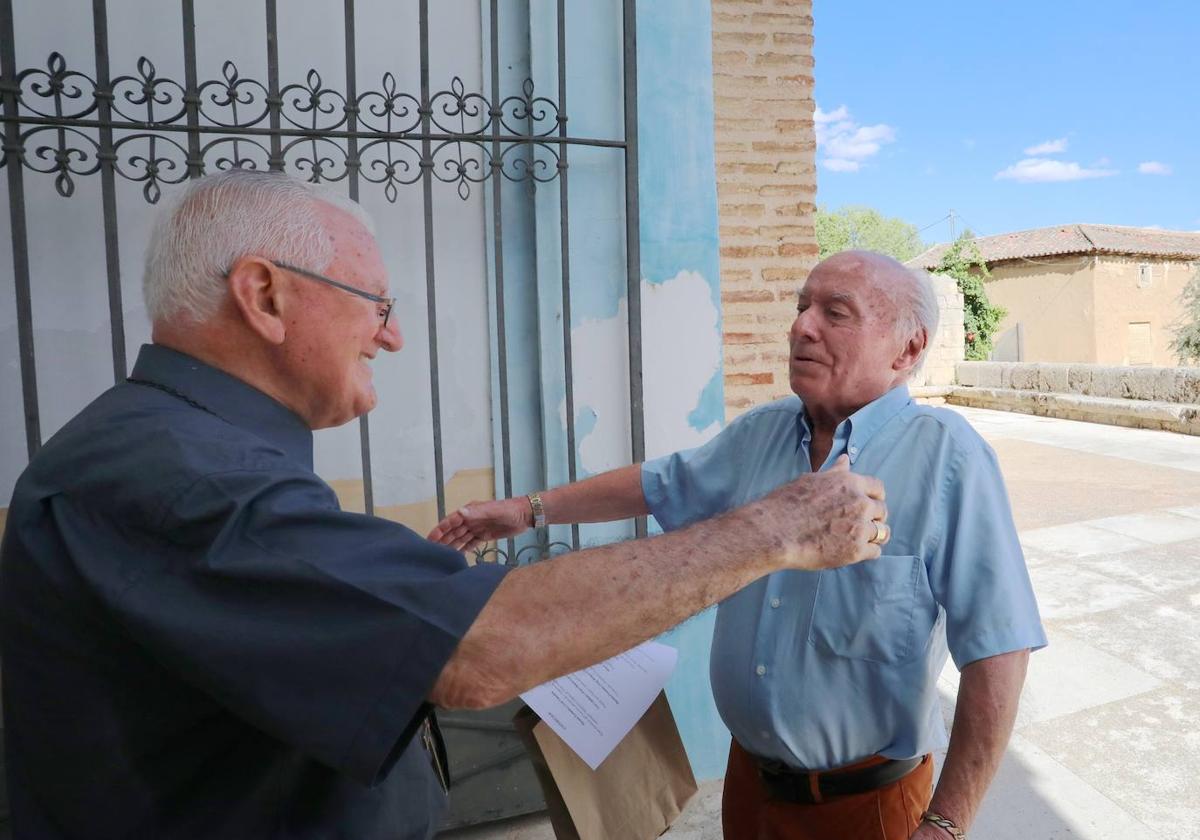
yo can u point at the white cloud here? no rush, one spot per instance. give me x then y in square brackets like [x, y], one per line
[833, 116]
[1033, 170]
[1050, 147]
[844, 144]
[839, 165]
[1153, 167]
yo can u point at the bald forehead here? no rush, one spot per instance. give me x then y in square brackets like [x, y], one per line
[874, 279]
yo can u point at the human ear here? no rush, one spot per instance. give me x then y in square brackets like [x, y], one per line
[259, 297]
[911, 351]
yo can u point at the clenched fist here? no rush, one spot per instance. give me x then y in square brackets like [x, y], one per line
[822, 520]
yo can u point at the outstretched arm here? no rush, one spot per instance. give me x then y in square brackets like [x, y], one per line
[983, 720]
[551, 618]
[616, 494]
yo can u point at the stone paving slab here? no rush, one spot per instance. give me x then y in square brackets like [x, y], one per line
[1142, 752]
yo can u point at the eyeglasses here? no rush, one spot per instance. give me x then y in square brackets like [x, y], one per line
[386, 303]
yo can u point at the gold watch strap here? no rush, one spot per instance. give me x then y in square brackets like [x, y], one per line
[945, 823]
[539, 512]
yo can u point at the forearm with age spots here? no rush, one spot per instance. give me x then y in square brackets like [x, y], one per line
[560, 615]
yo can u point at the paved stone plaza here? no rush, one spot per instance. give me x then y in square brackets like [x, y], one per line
[1107, 743]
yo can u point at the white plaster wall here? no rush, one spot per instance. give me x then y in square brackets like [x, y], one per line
[681, 350]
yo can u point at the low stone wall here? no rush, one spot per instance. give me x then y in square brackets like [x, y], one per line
[1162, 384]
[1139, 397]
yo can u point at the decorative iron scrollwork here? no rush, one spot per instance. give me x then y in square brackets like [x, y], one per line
[234, 121]
[527, 554]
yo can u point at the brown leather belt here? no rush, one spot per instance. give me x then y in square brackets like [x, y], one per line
[786, 784]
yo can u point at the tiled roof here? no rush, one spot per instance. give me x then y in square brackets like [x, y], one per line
[1075, 239]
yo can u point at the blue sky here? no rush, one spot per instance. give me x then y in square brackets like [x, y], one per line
[1014, 114]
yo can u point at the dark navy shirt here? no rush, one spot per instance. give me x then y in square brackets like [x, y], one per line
[197, 641]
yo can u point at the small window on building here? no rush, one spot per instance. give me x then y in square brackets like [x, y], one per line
[1145, 275]
[1141, 351]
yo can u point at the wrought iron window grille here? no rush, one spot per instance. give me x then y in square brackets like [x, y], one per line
[236, 118]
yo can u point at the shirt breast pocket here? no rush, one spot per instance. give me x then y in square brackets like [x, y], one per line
[880, 610]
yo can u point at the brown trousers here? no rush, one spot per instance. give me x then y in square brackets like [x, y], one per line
[889, 813]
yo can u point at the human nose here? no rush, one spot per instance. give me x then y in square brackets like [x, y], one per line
[804, 326]
[389, 337]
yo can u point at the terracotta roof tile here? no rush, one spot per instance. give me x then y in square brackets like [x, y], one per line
[1075, 239]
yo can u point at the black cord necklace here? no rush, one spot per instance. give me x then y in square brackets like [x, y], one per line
[169, 390]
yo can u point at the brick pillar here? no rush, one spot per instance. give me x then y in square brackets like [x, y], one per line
[766, 185]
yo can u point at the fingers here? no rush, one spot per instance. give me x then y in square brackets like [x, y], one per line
[872, 486]
[842, 464]
[443, 528]
[877, 510]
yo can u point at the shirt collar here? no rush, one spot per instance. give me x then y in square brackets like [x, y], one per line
[226, 396]
[858, 429]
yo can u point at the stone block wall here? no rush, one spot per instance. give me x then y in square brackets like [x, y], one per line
[1162, 398]
[1158, 384]
[766, 185]
[947, 349]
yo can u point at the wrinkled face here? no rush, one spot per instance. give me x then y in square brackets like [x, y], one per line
[844, 340]
[335, 334]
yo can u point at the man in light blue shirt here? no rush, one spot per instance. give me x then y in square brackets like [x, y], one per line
[827, 680]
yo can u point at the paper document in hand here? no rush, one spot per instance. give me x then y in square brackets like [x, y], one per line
[593, 709]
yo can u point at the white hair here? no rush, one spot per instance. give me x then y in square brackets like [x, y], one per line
[917, 308]
[217, 220]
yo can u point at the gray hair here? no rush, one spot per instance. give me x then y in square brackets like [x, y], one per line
[917, 308]
[217, 220]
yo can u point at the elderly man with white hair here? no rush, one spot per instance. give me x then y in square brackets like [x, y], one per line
[828, 680]
[199, 643]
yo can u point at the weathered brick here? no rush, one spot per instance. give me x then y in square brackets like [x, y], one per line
[750, 296]
[742, 251]
[723, 37]
[750, 378]
[732, 211]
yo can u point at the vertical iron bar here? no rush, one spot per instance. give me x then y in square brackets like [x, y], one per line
[495, 113]
[565, 249]
[274, 100]
[430, 289]
[191, 92]
[352, 165]
[633, 251]
[20, 240]
[108, 190]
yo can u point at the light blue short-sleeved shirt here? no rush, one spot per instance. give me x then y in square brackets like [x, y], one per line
[819, 669]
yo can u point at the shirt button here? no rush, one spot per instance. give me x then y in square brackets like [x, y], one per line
[853, 450]
[774, 603]
[760, 670]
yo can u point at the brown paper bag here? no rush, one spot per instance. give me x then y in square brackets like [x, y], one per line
[635, 793]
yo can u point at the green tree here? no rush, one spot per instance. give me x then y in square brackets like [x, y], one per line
[1187, 329]
[963, 262]
[862, 227]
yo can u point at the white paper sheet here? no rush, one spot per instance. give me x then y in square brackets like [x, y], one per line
[593, 709]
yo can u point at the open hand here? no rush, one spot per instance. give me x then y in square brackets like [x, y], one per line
[477, 523]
